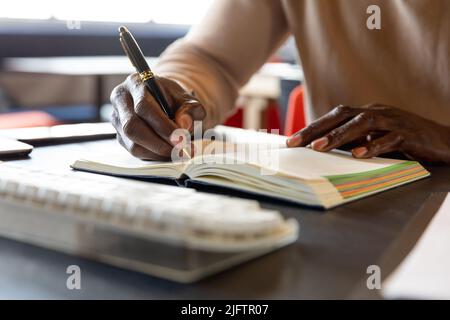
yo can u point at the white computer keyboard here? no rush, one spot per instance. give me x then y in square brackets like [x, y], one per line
[179, 216]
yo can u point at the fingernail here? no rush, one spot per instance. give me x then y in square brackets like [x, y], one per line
[175, 138]
[185, 122]
[294, 140]
[360, 152]
[319, 144]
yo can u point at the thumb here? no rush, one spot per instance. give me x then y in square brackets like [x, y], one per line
[190, 111]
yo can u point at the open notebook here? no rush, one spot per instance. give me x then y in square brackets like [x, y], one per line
[298, 175]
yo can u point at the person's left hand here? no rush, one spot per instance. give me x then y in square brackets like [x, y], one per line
[377, 129]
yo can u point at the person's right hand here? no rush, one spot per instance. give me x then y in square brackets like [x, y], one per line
[142, 126]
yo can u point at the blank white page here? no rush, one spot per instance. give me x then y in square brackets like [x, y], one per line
[113, 154]
[305, 163]
[424, 273]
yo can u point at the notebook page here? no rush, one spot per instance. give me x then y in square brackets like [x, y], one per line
[244, 136]
[305, 163]
[302, 163]
[113, 158]
[117, 156]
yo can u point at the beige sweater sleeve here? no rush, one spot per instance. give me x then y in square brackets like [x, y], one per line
[219, 55]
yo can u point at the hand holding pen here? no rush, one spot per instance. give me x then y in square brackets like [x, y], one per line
[148, 108]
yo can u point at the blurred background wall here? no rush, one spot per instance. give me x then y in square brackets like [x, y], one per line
[47, 29]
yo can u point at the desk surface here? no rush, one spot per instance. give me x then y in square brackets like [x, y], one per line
[329, 260]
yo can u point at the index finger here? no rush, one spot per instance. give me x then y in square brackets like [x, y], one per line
[322, 126]
[146, 107]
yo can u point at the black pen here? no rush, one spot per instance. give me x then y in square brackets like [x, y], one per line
[137, 58]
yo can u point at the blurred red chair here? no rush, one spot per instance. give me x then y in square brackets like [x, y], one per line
[236, 120]
[270, 118]
[295, 116]
[26, 119]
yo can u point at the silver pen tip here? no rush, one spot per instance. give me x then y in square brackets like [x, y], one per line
[123, 29]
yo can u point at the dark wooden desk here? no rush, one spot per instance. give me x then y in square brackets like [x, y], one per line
[329, 259]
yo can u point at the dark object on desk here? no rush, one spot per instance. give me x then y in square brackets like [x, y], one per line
[60, 134]
[11, 149]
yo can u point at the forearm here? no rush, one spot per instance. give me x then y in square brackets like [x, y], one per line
[197, 71]
[220, 55]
